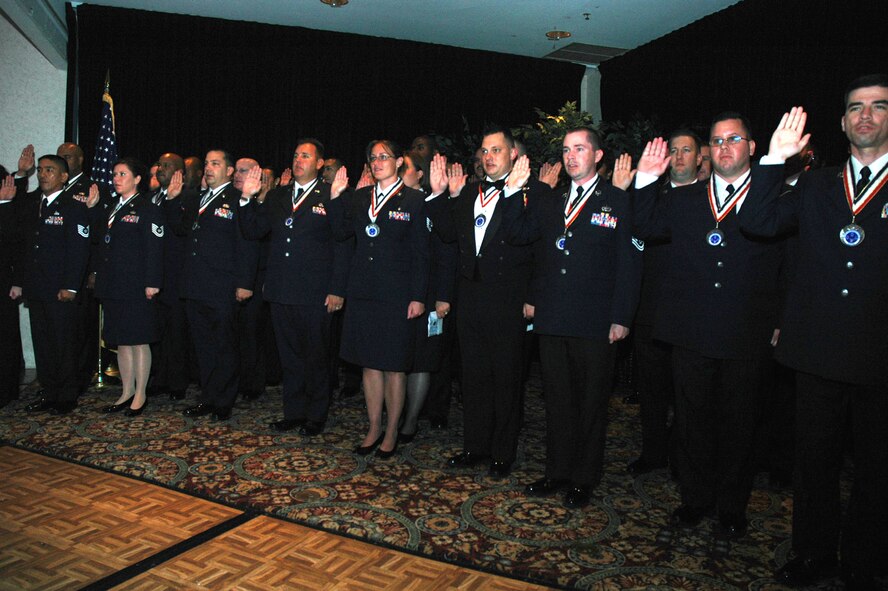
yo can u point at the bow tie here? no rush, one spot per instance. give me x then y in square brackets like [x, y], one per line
[498, 185]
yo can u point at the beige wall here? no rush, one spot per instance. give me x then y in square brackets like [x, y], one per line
[32, 111]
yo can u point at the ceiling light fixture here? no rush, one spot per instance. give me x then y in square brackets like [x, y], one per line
[557, 35]
[335, 3]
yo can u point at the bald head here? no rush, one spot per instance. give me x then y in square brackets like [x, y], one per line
[73, 155]
[167, 165]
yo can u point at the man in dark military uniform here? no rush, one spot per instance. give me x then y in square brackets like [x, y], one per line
[50, 275]
[305, 282]
[718, 310]
[220, 270]
[833, 333]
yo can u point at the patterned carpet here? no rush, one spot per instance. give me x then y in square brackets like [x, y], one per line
[622, 540]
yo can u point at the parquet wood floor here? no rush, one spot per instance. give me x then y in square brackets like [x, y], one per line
[266, 553]
[64, 526]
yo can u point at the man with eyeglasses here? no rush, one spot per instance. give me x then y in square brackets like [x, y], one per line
[834, 335]
[653, 359]
[492, 289]
[718, 310]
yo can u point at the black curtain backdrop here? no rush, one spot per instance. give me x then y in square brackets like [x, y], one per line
[758, 57]
[188, 84]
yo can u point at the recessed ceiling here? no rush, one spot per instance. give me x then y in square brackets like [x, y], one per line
[508, 26]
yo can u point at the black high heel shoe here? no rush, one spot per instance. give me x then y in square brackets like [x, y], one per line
[407, 437]
[365, 450]
[384, 455]
[134, 412]
[117, 407]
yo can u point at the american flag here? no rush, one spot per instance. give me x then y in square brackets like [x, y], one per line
[106, 145]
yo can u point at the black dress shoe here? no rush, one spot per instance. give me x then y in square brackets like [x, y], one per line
[251, 395]
[364, 450]
[312, 428]
[221, 414]
[286, 424]
[407, 437]
[732, 525]
[545, 486]
[688, 516]
[642, 466]
[39, 405]
[117, 407]
[803, 571]
[465, 459]
[198, 410]
[177, 394]
[499, 469]
[62, 408]
[577, 497]
[384, 455]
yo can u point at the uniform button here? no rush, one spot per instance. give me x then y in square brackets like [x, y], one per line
[564, 271]
[288, 239]
[286, 254]
[566, 252]
[719, 264]
[844, 293]
[570, 234]
[194, 254]
[36, 246]
[717, 285]
[849, 264]
[371, 245]
[369, 258]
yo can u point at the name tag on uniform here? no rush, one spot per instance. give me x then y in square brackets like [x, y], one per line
[400, 216]
[604, 220]
[319, 210]
[224, 213]
[130, 219]
[55, 220]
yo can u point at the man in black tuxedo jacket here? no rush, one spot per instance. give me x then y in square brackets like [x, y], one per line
[305, 281]
[220, 271]
[834, 335]
[587, 275]
[492, 290]
[718, 310]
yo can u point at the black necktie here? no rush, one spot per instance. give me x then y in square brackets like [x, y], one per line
[299, 193]
[43, 205]
[498, 185]
[863, 182]
[730, 191]
[577, 198]
[158, 199]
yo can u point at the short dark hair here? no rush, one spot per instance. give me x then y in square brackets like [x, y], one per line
[863, 82]
[725, 115]
[685, 132]
[62, 163]
[494, 129]
[591, 135]
[390, 145]
[226, 155]
[319, 147]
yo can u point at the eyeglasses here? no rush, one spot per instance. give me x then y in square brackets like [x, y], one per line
[381, 158]
[731, 140]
